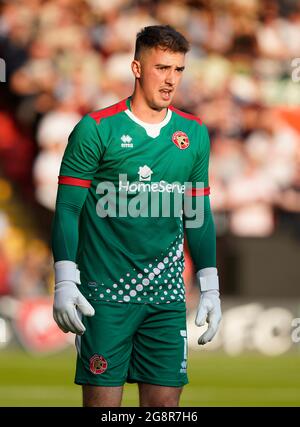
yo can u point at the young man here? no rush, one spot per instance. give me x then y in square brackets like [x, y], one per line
[118, 242]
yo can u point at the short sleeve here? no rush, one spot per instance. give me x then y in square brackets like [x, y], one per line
[199, 174]
[83, 152]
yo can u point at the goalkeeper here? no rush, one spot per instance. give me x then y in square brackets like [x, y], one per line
[118, 266]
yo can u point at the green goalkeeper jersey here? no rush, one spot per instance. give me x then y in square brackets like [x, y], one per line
[131, 226]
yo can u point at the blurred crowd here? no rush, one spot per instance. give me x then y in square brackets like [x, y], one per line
[65, 58]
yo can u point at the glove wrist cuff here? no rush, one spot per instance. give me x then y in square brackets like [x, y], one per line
[208, 279]
[65, 283]
[66, 271]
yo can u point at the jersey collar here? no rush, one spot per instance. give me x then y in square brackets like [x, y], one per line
[152, 129]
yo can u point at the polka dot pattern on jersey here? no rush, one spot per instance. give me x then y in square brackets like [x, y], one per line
[158, 282]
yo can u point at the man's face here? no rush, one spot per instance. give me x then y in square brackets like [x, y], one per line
[159, 73]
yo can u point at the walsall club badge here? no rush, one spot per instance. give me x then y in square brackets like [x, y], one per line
[98, 364]
[181, 140]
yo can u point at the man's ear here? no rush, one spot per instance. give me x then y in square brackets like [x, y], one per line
[136, 68]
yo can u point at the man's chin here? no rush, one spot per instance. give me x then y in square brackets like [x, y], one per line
[161, 104]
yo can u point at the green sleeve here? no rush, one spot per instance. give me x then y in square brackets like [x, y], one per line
[84, 150]
[199, 174]
[80, 161]
[70, 200]
[202, 240]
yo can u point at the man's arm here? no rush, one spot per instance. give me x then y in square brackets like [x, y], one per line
[67, 297]
[69, 202]
[202, 245]
[79, 164]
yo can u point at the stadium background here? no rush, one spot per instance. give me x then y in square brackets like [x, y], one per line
[63, 58]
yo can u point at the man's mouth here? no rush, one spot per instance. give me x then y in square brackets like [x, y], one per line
[166, 93]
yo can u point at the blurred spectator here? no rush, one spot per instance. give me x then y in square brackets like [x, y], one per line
[16, 150]
[4, 264]
[52, 137]
[29, 278]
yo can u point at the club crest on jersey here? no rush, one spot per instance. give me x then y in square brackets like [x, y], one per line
[181, 140]
[98, 364]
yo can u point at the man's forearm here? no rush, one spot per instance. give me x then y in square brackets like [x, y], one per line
[67, 297]
[70, 200]
[202, 240]
[202, 244]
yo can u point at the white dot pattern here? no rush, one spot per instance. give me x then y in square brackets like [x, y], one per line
[157, 282]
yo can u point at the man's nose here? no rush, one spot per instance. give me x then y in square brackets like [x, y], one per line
[170, 77]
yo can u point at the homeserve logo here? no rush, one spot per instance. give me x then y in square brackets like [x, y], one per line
[145, 173]
[145, 199]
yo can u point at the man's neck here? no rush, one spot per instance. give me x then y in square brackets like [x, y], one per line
[142, 111]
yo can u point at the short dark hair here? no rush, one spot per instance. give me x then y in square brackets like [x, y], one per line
[162, 36]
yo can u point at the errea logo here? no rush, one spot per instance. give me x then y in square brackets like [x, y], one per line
[126, 141]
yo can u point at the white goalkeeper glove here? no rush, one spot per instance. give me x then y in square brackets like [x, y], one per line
[67, 298]
[209, 308]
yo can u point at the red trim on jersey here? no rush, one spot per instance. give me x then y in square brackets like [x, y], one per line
[69, 180]
[198, 191]
[109, 111]
[185, 115]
